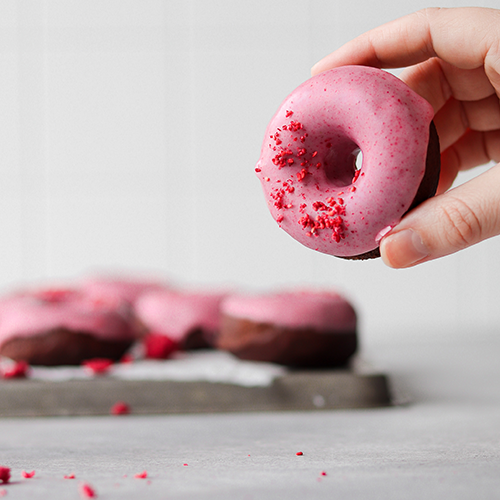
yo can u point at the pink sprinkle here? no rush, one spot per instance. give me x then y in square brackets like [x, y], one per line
[185, 465]
[323, 473]
[97, 366]
[120, 408]
[86, 491]
[141, 475]
[299, 453]
[69, 476]
[4, 474]
[27, 475]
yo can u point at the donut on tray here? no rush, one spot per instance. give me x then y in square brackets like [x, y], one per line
[310, 329]
[63, 327]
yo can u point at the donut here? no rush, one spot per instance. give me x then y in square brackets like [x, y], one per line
[308, 168]
[307, 329]
[190, 318]
[62, 327]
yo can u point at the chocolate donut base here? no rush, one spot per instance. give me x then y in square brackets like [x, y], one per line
[427, 188]
[293, 347]
[198, 338]
[62, 347]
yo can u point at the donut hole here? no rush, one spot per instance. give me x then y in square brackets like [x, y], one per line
[358, 162]
[341, 163]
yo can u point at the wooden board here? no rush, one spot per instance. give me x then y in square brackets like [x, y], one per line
[296, 390]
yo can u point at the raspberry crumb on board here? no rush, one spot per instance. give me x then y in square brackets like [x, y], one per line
[69, 476]
[3, 492]
[27, 475]
[299, 453]
[141, 475]
[97, 366]
[4, 474]
[158, 346]
[86, 491]
[127, 358]
[120, 408]
[18, 370]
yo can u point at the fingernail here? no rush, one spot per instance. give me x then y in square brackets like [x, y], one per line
[403, 249]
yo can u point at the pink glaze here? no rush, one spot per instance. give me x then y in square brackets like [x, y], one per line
[319, 310]
[307, 164]
[176, 314]
[128, 289]
[35, 313]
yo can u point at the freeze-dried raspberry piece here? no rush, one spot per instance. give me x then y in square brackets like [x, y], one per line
[97, 366]
[4, 474]
[158, 346]
[86, 491]
[17, 370]
[120, 408]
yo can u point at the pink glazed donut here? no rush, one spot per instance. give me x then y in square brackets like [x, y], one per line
[302, 328]
[307, 166]
[189, 318]
[63, 327]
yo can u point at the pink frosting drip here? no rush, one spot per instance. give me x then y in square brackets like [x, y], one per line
[322, 311]
[307, 163]
[35, 313]
[176, 314]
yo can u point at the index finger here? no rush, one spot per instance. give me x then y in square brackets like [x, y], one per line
[450, 34]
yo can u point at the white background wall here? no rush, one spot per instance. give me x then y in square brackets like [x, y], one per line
[129, 130]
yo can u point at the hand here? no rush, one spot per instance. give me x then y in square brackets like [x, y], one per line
[454, 62]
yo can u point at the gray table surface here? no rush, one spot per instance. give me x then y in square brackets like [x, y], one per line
[444, 444]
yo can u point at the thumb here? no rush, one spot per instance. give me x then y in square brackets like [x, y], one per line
[446, 223]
